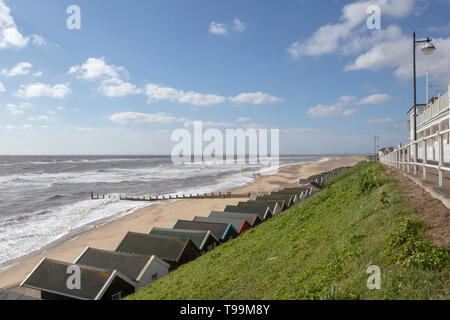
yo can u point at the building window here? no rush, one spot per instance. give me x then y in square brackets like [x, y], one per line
[117, 296]
[154, 277]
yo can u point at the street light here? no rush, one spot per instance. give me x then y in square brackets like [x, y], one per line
[427, 49]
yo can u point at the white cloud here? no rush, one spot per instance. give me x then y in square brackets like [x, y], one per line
[156, 92]
[376, 99]
[210, 124]
[135, 117]
[39, 118]
[334, 37]
[21, 68]
[118, 88]
[238, 25]
[218, 28]
[112, 84]
[17, 108]
[2, 88]
[341, 107]
[38, 40]
[36, 90]
[242, 119]
[59, 108]
[380, 120]
[255, 98]
[38, 74]
[96, 68]
[10, 127]
[10, 36]
[27, 127]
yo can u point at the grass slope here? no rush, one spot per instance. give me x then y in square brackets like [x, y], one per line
[320, 249]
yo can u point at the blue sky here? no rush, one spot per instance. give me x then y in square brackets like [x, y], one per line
[137, 70]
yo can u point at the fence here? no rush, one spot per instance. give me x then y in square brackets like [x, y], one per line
[405, 157]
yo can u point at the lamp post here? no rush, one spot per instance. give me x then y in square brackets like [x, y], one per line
[427, 49]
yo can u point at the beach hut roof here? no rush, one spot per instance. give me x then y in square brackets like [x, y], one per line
[237, 223]
[201, 238]
[263, 213]
[51, 276]
[252, 218]
[219, 230]
[131, 265]
[167, 248]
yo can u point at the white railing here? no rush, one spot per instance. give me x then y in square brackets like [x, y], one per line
[433, 110]
[405, 157]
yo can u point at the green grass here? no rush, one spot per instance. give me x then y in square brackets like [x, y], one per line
[320, 249]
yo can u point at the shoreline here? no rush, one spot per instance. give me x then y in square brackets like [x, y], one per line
[108, 235]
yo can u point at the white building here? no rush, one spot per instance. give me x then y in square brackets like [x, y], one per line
[431, 118]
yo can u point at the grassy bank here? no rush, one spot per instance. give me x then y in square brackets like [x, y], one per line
[320, 249]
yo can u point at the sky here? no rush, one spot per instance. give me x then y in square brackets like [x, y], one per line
[137, 70]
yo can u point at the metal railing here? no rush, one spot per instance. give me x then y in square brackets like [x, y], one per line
[405, 157]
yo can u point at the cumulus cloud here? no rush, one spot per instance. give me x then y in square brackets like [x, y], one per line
[210, 124]
[341, 108]
[17, 108]
[136, 117]
[10, 36]
[380, 120]
[156, 92]
[255, 98]
[376, 49]
[111, 77]
[118, 88]
[336, 37]
[2, 88]
[376, 99]
[242, 119]
[238, 25]
[22, 68]
[36, 90]
[218, 28]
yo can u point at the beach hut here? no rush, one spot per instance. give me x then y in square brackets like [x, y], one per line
[271, 203]
[204, 240]
[263, 213]
[252, 218]
[222, 231]
[239, 224]
[51, 278]
[142, 269]
[174, 251]
[274, 206]
[288, 199]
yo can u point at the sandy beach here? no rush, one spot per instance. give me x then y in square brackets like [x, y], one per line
[108, 236]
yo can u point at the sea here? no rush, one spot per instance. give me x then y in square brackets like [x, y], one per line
[45, 198]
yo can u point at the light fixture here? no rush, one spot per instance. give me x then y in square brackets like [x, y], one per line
[428, 48]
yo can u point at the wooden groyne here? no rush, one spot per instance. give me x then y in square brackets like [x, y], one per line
[220, 195]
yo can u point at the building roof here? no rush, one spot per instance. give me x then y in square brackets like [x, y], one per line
[200, 237]
[219, 230]
[131, 265]
[251, 218]
[11, 295]
[237, 223]
[263, 213]
[167, 248]
[422, 105]
[51, 276]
